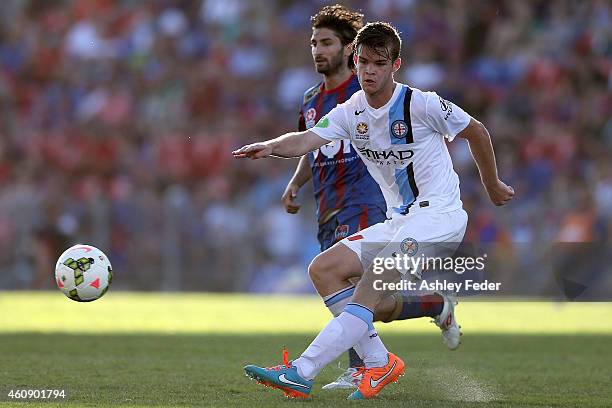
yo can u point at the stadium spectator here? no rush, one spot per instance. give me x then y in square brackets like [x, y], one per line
[117, 119]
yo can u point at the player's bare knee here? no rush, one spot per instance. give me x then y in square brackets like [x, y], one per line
[320, 270]
[331, 268]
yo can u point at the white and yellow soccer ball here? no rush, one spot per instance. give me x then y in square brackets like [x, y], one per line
[83, 273]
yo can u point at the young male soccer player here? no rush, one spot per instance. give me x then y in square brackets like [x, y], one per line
[347, 197]
[399, 132]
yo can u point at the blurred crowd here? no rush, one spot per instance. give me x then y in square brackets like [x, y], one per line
[117, 119]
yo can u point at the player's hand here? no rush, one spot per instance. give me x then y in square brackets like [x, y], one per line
[288, 199]
[253, 151]
[499, 192]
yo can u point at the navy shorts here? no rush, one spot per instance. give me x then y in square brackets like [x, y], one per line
[347, 222]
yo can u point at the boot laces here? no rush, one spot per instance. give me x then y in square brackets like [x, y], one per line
[285, 362]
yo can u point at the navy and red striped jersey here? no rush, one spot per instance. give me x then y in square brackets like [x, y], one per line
[339, 176]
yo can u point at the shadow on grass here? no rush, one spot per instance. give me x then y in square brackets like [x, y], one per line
[206, 370]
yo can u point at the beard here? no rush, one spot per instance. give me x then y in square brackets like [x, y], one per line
[332, 66]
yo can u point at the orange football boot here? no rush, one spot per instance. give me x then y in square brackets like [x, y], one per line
[374, 379]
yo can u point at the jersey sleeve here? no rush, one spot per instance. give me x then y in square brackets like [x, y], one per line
[301, 122]
[444, 116]
[334, 125]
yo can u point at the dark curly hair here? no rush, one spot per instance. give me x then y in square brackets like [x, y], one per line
[380, 37]
[342, 21]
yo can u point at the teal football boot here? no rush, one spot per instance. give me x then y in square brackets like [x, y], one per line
[284, 377]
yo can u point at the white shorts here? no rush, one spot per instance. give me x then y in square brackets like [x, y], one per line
[425, 233]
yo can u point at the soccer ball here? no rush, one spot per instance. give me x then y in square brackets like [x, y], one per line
[83, 273]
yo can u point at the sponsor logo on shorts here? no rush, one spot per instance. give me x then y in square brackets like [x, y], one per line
[341, 232]
[409, 246]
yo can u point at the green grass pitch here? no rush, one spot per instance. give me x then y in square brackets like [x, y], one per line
[186, 349]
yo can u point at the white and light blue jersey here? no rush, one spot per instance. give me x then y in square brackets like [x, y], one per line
[403, 146]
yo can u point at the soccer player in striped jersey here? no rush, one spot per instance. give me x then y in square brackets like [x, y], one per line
[347, 197]
[400, 133]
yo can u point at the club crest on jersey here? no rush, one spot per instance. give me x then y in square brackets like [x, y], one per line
[341, 232]
[310, 117]
[409, 246]
[399, 129]
[362, 130]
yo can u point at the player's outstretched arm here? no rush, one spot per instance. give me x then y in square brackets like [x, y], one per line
[302, 174]
[482, 150]
[294, 144]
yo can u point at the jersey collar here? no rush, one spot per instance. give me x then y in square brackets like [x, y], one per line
[374, 111]
[339, 87]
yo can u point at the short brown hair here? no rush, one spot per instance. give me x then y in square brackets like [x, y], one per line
[342, 21]
[381, 37]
